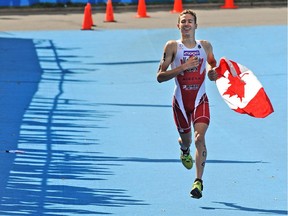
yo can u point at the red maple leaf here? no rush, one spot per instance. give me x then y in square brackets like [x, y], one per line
[236, 87]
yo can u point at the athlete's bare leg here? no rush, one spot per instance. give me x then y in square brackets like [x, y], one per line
[185, 140]
[201, 151]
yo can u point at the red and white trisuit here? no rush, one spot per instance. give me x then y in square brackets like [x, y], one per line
[190, 102]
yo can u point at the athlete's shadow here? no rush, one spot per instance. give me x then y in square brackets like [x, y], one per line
[235, 207]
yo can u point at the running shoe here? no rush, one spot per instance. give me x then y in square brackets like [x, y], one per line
[197, 189]
[186, 159]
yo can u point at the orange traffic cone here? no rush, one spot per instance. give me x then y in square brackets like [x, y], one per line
[109, 12]
[141, 12]
[178, 8]
[90, 9]
[229, 4]
[87, 19]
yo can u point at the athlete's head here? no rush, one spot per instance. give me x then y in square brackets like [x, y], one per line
[187, 23]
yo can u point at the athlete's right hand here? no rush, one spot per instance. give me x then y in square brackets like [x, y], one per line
[192, 62]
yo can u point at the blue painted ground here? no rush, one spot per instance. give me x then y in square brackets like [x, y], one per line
[99, 134]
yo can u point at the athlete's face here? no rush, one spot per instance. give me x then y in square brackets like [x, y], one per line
[187, 24]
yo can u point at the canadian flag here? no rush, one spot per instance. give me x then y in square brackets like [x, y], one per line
[241, 90]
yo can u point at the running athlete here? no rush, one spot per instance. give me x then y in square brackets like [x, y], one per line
[187, 58]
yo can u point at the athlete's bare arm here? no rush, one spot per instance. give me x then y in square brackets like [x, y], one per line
[212, 74]
[170, 50]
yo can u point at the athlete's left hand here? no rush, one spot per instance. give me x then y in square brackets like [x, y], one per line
[212, 75]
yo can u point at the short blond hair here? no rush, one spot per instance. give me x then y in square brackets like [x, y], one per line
[188, 11]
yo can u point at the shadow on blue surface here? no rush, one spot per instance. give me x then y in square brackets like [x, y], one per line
[35, 114]
[19, 82]
[134, 105]
[147, 160]
[127, 63]
[235, 207]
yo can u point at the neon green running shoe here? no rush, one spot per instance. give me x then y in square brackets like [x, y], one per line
[197, 189]
[186, 160]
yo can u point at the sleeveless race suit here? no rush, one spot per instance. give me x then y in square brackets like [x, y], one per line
[190, 102]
